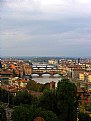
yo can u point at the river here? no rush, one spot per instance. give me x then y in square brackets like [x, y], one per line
[46, 79]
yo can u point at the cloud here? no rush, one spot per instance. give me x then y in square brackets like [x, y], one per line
[45, 27]
[49, 9]
[51, 42]
[83, 1]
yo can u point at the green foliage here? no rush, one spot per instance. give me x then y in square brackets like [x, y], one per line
[48, 115]
[4, 96]
[22, 98]
[84, 117]
[88, 108]
[61, 103]
[2, 114]
[29, 113]
[66, 100]
[32, 85]
[48, 100]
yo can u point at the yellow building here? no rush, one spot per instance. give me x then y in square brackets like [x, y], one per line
[52, 61]
[89, 77]
[81, 76]
[85, 76]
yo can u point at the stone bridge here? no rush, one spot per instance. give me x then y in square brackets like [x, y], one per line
[46, 69]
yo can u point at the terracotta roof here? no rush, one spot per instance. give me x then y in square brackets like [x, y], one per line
[20, 80]
[81, 73]
[6, 72]
[38, 119]
[79, 90]
[89, 73]
[78, 69]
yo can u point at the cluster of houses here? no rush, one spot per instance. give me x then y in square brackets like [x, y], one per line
[15, 74]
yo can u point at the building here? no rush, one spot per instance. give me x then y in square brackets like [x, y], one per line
[84, 96]
[53, 62]
[85, 76]
[81, 76]
[0, 83]
[27, 69]
[39, 119]
[75, 73]
[19, 82]
[89, 76]
[50, 85]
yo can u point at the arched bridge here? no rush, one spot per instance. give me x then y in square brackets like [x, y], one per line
[45, 69]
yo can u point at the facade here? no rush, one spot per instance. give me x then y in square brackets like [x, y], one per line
[81, 76]
[85, 76]
[20, 83]
[84, 96]
[53, 62]
[75, 73]
[89, 77]
[27, 69]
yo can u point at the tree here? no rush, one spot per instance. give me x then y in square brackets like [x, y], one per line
[32, 85]
[66, 100]
[22, 98]
[84, 117]
[20, 113]
[2, 114]
[88, 108]
[29, 113]
[48, 115]
[4, 96]
[48, 100]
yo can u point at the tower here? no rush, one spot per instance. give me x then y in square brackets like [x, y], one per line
[0, 64]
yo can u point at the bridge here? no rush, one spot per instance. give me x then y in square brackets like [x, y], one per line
[46, 69]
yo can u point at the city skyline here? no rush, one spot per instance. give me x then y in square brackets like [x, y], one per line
[45, 28]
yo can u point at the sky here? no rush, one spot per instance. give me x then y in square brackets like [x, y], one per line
[45, 28]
